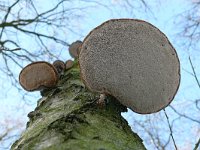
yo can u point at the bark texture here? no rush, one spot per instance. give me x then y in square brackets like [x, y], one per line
[68, 118]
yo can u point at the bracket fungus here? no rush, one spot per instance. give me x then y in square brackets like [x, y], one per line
[68, 64]
[133, 61]
[38, 76]
[59, 65]
[74, 49]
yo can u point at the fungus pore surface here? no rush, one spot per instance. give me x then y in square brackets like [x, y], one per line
[133, 61]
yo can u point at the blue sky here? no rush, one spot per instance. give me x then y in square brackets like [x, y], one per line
[163, 16]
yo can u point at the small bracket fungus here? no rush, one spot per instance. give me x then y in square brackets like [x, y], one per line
[60, 66]
[74, 49]
[68, 64]
[133, 61]
[38, 76]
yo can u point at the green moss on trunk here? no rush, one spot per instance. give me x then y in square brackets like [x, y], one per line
[68, 118]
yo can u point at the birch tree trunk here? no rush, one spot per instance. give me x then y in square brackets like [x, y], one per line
[68, 118]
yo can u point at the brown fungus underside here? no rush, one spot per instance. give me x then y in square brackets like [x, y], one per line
[38, 76]
[133, 61]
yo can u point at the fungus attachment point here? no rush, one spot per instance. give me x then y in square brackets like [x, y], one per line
[38, 76]
[60, 66]
[68, 64]
[133, 61]
[101, 100]
[74, 49]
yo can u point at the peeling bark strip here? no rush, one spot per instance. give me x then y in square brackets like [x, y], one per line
[68, 118]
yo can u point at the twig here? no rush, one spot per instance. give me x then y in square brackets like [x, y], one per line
[196, 103]
[6, 16]
[197, 144]
[183, 115]
[171, 133]
[193, 70]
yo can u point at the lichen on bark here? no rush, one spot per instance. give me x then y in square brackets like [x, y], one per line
[68, 118]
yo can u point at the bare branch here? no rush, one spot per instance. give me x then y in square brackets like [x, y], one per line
[183, 115]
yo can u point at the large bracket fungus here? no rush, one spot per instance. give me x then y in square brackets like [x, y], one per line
[133, 61]
[38, 76]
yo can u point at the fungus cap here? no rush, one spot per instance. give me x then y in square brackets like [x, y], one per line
[59, 65]
[38, 75]
[74, 49]
[68, 64]
[133, 61]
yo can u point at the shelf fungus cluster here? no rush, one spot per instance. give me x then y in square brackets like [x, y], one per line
[42, 75]
[133, 61]
[129, 59]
